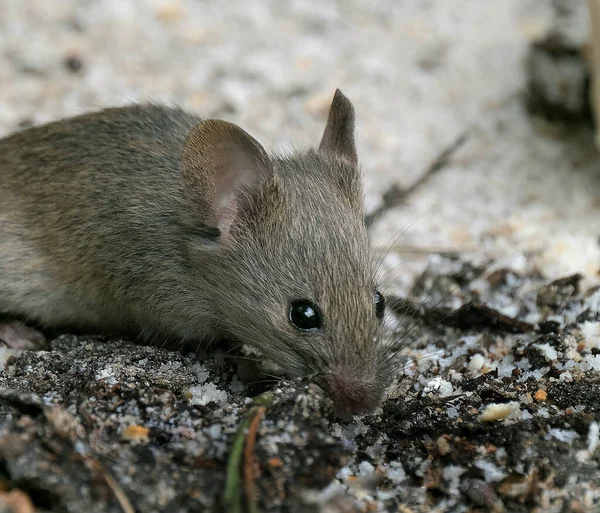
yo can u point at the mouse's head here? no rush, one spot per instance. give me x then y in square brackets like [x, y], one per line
[294, 269]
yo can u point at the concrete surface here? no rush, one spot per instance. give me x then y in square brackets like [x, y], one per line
[419, 73]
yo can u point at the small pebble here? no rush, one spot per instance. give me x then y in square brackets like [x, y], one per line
[495, 411]
[136, 434]
[73, 63]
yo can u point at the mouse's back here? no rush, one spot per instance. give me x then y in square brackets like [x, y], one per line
[87, 207]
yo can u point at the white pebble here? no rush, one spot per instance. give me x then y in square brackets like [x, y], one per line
[476, 363]
[200, 371]
[386, 495]
[526, 398]
[365, 469]
[214, 431]
[236, 386]
[395, 473]
[593, 362]
[452, 412]
[205, 394]
[491, 472]
[107, 374]
[591, 332]
[437, 384]
[548, 351]
[562, 435]
[500, 411]
[344, 473]
[566, 376]
[453, 472]
[593, 437]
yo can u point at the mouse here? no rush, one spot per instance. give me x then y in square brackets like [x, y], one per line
[146, 220]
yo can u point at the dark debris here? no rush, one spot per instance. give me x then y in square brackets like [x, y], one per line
[91, 423]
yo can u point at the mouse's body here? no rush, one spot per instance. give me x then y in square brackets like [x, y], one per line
[90, 220]
[148, 220]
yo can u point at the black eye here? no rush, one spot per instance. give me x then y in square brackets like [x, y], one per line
[304, 315]
[379, 301]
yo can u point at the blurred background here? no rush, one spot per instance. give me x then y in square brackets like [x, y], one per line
[522, 190]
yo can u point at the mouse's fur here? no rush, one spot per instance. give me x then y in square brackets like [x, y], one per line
[147, 219]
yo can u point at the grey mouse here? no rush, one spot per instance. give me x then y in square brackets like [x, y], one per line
[148, 220]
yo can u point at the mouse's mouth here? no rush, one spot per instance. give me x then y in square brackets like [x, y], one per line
[353, 394]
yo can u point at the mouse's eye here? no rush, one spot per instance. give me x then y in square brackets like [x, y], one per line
[379, 301]
[304, 315]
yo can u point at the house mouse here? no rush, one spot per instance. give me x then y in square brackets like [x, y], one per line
[148, 220]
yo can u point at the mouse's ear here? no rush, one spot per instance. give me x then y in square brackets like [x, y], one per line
[223, 167]
[338, 138]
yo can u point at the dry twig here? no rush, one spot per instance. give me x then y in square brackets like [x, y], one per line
[250, 461]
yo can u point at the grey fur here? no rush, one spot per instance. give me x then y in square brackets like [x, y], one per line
[98, 229]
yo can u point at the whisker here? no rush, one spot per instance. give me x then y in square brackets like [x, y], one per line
[241, 357]
[392, 350]
[396, 239]
[393, 268]
[263, 381]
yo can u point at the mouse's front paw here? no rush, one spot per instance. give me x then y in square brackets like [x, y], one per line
[17, 335]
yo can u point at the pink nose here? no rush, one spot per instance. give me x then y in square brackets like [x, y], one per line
[352, 395]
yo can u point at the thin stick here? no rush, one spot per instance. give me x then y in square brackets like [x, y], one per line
[119, 493]
[96, 466]
[397, 195]
[249, 460]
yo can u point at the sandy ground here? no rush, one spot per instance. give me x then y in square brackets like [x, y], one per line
[419, 74]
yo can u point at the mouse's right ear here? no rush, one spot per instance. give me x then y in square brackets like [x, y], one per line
[338, 137]
[223, 167]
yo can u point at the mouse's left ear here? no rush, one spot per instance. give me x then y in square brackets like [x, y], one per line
[338, 138]
[224, 168]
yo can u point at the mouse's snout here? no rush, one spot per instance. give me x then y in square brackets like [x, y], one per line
[353, 394]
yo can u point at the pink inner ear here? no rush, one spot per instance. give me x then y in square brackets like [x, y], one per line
[233, 178]
[226, 213]
[224, 189]
[239, 175]
[222, 166]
